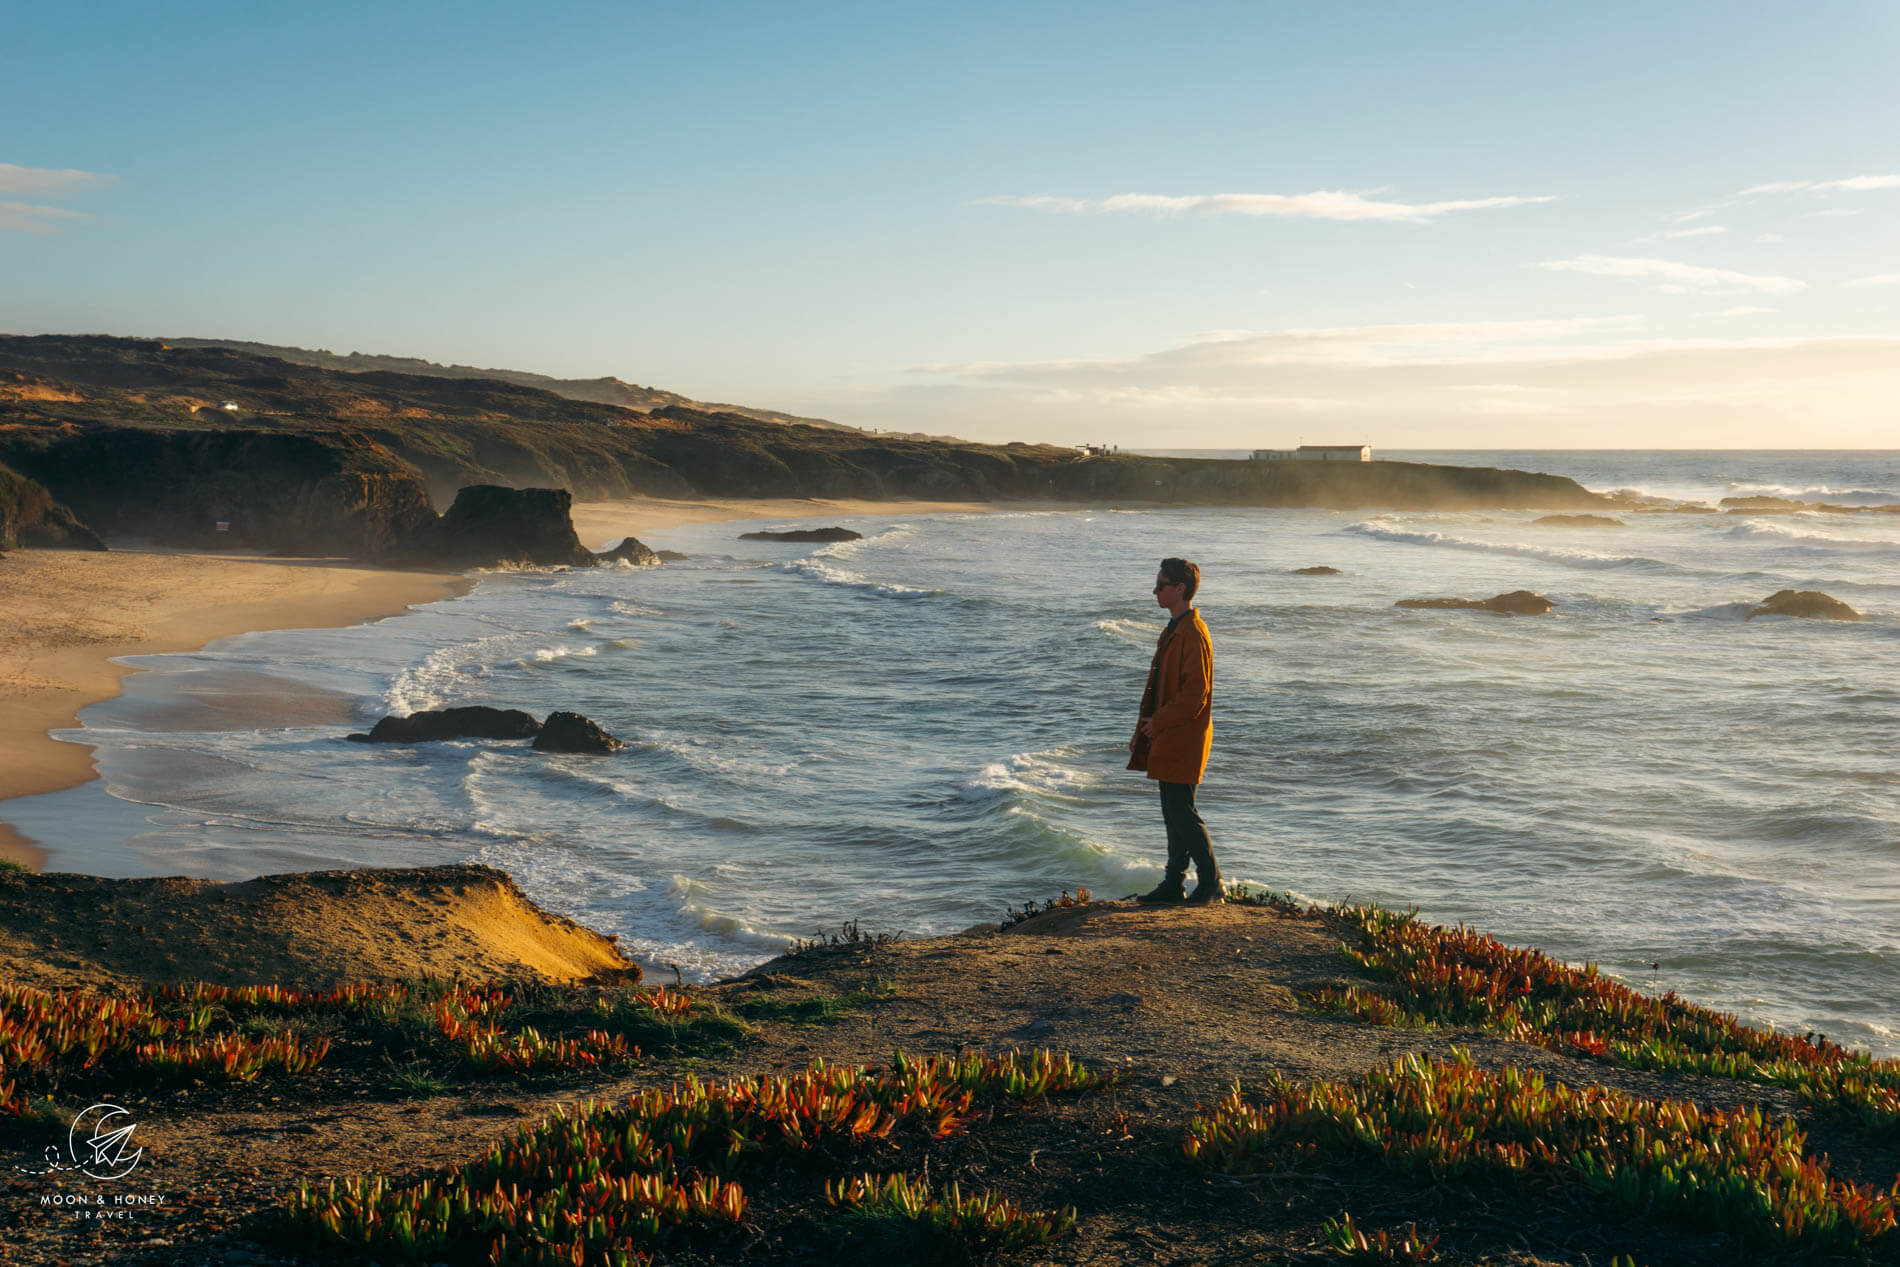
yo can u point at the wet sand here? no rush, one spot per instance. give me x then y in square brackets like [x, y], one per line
[68, 613]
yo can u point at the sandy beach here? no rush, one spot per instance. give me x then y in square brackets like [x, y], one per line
[71, 613]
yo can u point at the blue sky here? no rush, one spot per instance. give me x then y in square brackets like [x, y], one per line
[1486, 225]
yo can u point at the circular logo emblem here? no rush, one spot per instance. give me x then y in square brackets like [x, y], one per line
[101, 1142]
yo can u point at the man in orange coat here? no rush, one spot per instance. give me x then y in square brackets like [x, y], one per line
[1176, 732]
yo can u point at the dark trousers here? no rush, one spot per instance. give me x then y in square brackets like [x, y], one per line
[1187, 833]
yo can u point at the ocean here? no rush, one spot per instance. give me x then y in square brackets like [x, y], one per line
[923, 728]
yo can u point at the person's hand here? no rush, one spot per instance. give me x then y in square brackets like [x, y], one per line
[1148, 727]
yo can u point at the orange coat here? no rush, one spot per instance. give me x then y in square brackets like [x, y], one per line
[1180, 699]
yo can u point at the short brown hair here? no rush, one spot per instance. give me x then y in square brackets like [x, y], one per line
[1186, 574]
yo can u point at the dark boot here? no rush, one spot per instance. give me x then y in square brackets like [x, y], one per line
[1171, 889]
[1207, 884]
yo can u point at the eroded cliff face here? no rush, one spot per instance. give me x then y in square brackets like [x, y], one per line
[280, 491]
[31, 516]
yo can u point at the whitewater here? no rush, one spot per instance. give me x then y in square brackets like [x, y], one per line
[921, 728]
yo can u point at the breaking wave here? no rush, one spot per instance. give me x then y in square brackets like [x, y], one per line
[1567, 558]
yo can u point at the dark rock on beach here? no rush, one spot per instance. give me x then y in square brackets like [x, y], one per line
[630, 551]
[1515, 603]
[1321, 570]
[804, 534]
[489, 525]
[474, 722]
[571, 732]
[1579, 521]
[670, 556]
[1808, 604]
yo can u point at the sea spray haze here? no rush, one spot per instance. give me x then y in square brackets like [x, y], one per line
[923, 727]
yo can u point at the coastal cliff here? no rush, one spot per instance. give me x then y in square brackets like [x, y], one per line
[78, 401]
[303, 493]
[29, 516]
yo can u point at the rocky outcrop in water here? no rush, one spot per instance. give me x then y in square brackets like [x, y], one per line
[571, 732]
[1804, 604]
[489, 525]
[804, 534]
[1321, 570]
[476, 721]
[1515, 603]
[30, 516]
[630, 551]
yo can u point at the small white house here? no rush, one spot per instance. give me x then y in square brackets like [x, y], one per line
[1273, 455]
[1334, 453]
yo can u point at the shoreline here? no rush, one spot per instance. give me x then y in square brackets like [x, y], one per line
[73, 614]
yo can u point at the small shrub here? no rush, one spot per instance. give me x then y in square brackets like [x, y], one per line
[1030, 909]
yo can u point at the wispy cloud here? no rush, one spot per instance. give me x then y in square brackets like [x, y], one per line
[1829, 212]
[1846, 185]
[1878, 279]
[27, 217]
[1852, 184]
[1594, 384]
[1325, 204]
[1215, 352]
[1676, 277]
[42, 182]
[1745, 310]
[1702, 232]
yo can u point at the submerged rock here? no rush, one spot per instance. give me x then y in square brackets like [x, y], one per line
[1808, 604]
[670, 556]
[571, 732]
[1321, 570]
[631, 551]
[476, 721]
[804, 534]
[1515, 603]
[1580, 521]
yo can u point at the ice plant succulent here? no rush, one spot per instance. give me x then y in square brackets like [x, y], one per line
[613, 1184]
[1737, 1170]
[981, 1225]
[49, 1036]
[1462, 977]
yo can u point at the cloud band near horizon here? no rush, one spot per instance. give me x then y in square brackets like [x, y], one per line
[1324, 204]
